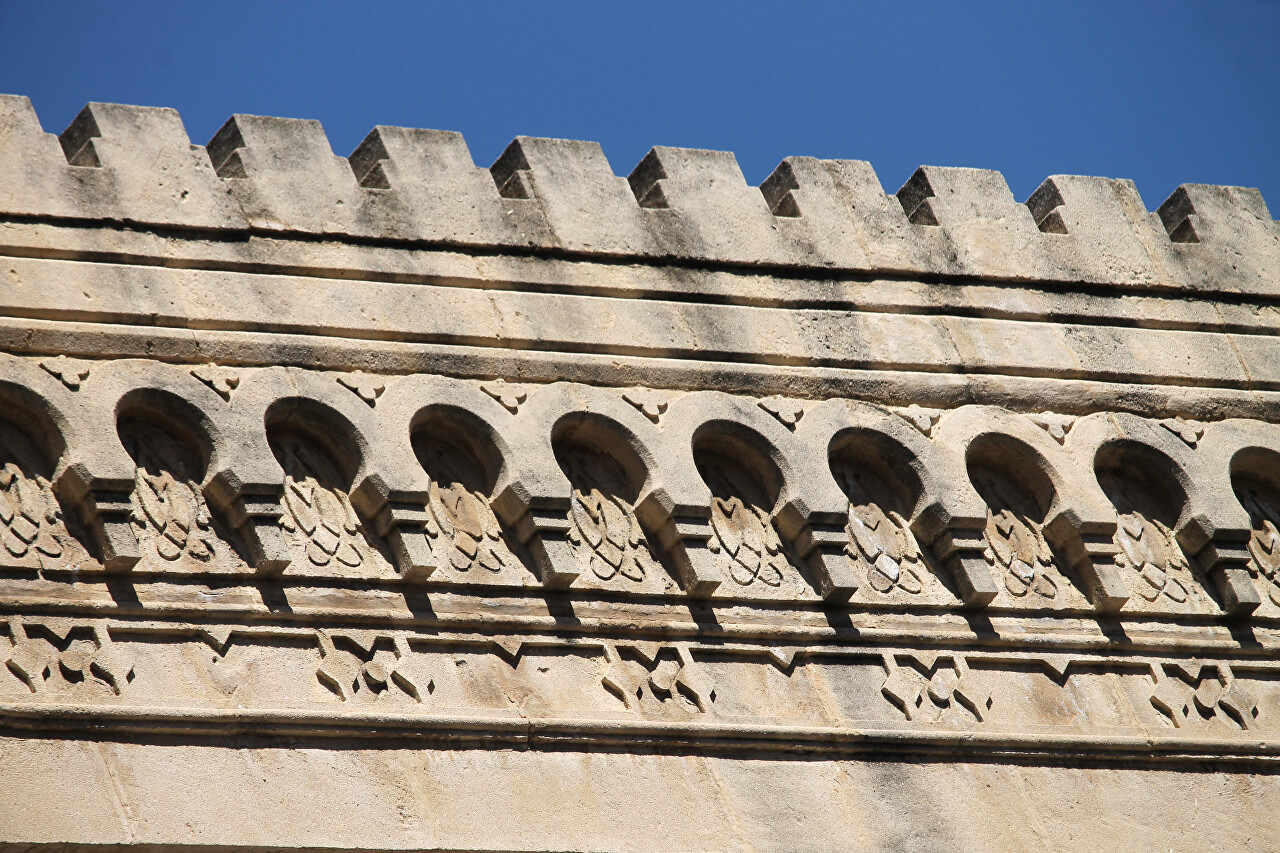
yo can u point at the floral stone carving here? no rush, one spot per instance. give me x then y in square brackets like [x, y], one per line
[30, 519]
[1017, 546]
[744, 535]
[318, 518]
[1263, 506]
[883, 543]
[608, 537]
[470, 529]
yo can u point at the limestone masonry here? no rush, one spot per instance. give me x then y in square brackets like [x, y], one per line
[388, 502]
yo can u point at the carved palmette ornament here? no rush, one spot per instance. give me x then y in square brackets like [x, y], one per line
[607, 535]
[1017, 546]
[745, 535]
[1148, 549]
[170, 516]
[29, 516]
[883, 543]
[317, 518]
[1264, 543]
[471, 535]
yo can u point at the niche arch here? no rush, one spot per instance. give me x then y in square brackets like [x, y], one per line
[879, 477]
[320, 454]
[1014, 481]
[1255, 479]
[35, 533]
[740, 468]
[464, 459]
[1147, 489]
[608, 476]
[170, 442]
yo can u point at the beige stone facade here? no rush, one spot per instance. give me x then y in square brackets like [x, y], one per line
[388, 502]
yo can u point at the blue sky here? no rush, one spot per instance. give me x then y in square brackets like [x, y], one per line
[1163, 93]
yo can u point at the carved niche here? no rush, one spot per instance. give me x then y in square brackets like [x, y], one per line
[33, 532]
[1159, 573]
[1017, 497]
[743, 539]
[1262, 502]
[468, 540]
[318, 520]
[881, 547]
[175, 530]
[613, 549]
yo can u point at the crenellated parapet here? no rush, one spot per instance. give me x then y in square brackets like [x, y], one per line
[271, 175]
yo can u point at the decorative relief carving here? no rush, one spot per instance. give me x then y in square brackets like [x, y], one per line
[318, 518]
[170, 517]
[1016, 546]
[744, 535]
[935, 689]
[368, 668]
[471, 535]
[1149, 552]
[789, 412]
[70, 371]
[1186, 429]
[1201, 695]
[658, 680]
[886, 546]
[510, 396]
[603, 528]
[744, 541]
[31, 528]
[921, 418]
[461, 525]
[608, 537]
[1263, 505]
[221, 380]
[64, 656]
[650, 403]
[368, 388]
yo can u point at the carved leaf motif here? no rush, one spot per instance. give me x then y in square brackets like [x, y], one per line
[470, 530]
[29, 514]
[889, 549]
[747, 537]
[325, 518]
[1021, 551]
[1148, 549]
[609, 530]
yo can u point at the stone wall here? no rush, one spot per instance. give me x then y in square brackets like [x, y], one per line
[389, 502]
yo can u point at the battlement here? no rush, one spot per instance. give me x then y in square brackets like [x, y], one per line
[136, 165]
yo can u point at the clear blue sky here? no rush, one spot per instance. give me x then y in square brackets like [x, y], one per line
[1163, 93]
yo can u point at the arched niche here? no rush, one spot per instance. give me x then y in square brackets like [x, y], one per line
[1011, 479]
[1140, 483]
[170, 449]
[607, 476]
[745, 484]
[878, 477]
[1255, 477]
[462, 460]
[34, 532]
[318, 452]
